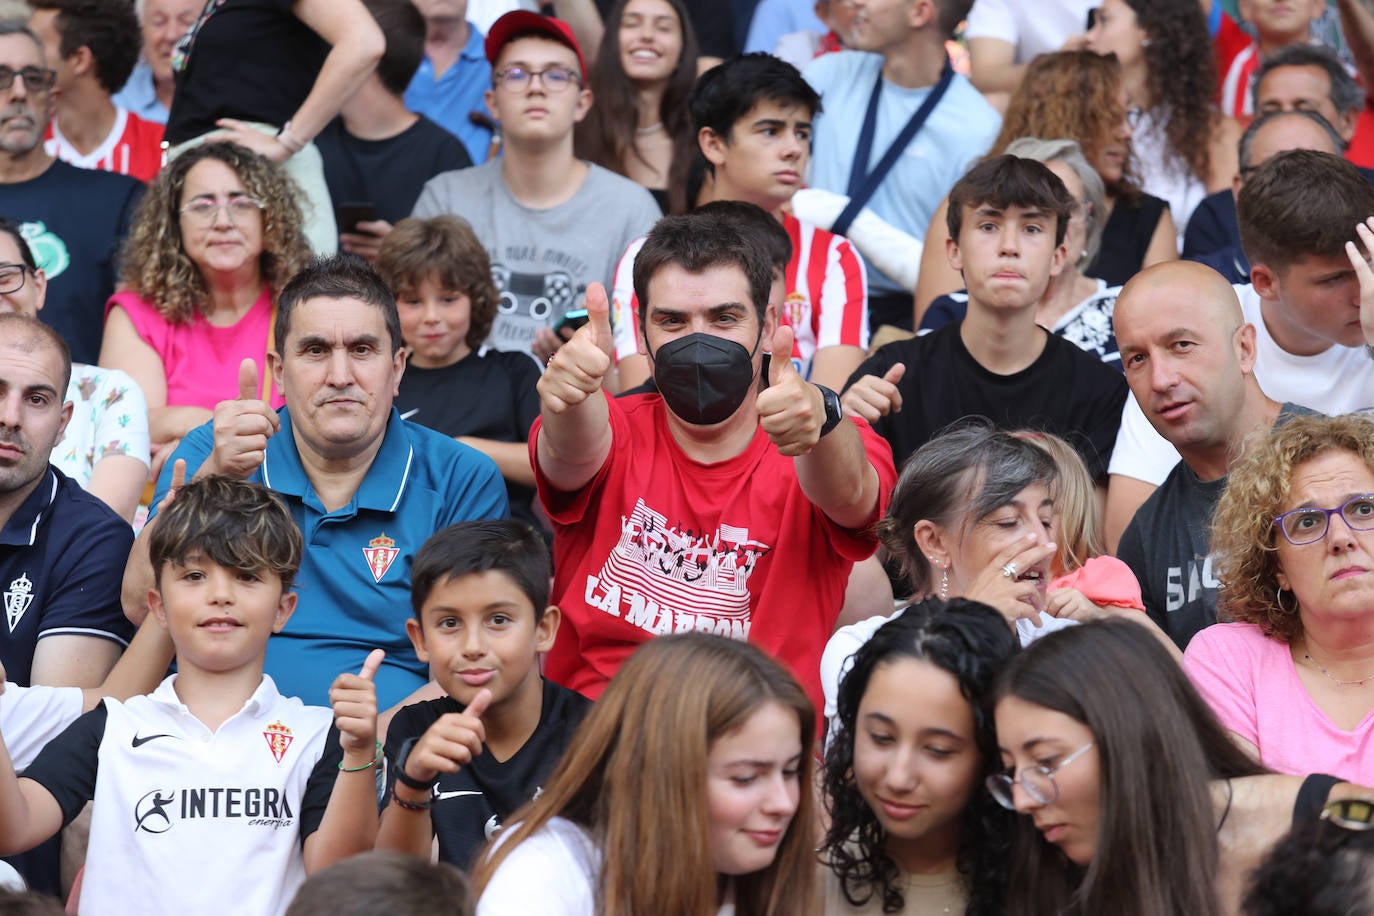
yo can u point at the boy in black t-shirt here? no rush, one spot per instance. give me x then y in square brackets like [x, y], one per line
[1008, 218]
[462, 763]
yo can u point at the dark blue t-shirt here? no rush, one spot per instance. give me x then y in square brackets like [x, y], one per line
[75, 220]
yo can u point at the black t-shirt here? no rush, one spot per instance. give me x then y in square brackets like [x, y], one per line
[488, 394]
[1126, 238]
[1168, 546]
[1065, 391]
[390, 173]
[252, 60]
[75, 220]
[470, 805]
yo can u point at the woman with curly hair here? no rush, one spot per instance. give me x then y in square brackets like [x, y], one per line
[686, 791]
[641, 125]
[213, 241]
[1293, 545]
[1075, 95]
[911, 828]
[441, 276]
[1185, 146]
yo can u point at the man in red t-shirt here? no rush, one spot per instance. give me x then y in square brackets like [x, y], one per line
[93, 45]
[1276, 25]
[710, 504]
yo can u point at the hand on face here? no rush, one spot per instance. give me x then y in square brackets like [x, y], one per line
[575, 372]
[1019, 595]
[1360, 261]
[354, 700]
[242, 428]
[791, 410]
[451, 743]
[872, 397]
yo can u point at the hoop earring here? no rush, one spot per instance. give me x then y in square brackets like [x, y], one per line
[1278, 598]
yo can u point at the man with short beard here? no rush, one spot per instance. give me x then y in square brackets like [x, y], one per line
[74, 219]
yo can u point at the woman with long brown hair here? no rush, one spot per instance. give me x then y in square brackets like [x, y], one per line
[640, 125]
[686, 788]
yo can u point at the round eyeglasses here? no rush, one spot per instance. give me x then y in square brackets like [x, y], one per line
[1037, 781]
[12, 277]
[205, 211]
[518, 79]
[1309, 524]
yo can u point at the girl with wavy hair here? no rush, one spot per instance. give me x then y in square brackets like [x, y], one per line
[215, 238]
[686, 789]
[911, 828]
[641, 124]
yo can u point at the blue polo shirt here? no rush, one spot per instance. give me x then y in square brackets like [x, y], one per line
[354, 583]
[448, 99]
[62, 557]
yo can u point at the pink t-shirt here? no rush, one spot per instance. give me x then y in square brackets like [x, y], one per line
[1252, 684]
[202, 360]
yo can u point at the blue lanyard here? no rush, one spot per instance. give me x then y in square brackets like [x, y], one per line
[863, 183]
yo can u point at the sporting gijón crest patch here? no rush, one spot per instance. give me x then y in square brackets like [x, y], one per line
[279, 738]
[381, 552]
[18, 597]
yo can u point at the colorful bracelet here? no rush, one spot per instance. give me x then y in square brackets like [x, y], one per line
[411, 806]
[367, 766]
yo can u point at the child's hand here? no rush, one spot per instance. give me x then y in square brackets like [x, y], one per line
[1071, 604]
[354, 699]
[452, 741]
[178, 481]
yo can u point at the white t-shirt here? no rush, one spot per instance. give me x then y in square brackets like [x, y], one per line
[1034, 28]
[1336, 381]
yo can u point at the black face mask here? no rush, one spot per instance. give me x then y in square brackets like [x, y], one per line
[703, 378]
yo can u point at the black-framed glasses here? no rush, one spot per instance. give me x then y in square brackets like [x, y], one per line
[1037, 781]
[12, 277]
[205, 211]
[1309, 524]
[555, 79]
[36, 79]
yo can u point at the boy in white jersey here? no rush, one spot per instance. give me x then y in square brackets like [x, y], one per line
[214, 791]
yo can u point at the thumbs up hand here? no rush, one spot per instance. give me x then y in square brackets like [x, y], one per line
[452, 742]
[242, 428]
[577, 369]
[791, 409]
[872, 397]
[354, 699]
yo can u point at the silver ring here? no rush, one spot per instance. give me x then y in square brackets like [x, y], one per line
[1009, 570]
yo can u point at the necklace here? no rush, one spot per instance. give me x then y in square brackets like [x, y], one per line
[1330, 676]
[651, 129]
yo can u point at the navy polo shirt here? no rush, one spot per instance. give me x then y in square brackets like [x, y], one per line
[354, 583]
[62, 558]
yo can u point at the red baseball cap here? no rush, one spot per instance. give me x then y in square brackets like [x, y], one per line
[522, 22]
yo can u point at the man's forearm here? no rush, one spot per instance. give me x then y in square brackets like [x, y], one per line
[839, 479]
[574, 443]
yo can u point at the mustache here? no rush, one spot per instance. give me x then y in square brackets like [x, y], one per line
[348, 392]
[14, 438]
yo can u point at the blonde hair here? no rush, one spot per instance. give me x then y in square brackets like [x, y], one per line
[156, 265]
[634, 777]
[1075, 502]
[1243, 537]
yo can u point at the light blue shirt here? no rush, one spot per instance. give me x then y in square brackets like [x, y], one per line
[448, 99]
[354, 581]
[140, 96]
[775, 18]
[958, 132]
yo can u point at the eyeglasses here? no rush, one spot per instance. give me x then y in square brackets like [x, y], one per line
[36, 79]
[1037, 781]
[518, 79]
[12, 277]
[1308, 524]
[1350, 813]
[205, 211]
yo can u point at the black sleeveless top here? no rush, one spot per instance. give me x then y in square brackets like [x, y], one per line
[1126, 238]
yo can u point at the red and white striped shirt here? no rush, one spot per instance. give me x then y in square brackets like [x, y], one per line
[133, 147]
[826, 300]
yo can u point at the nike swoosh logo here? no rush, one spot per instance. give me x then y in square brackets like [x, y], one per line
[410, 413]
[440, 796]
[139, 742]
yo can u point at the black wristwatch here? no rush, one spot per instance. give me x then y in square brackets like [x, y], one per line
[406, 779]
[833, 412]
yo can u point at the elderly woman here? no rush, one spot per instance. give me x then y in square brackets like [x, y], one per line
[1074, 306]
[1293, 544]
[215, 238]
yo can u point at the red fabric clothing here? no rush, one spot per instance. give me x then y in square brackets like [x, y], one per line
[133, 147]
[1361, 150]
[826, 302]
[1237, 60]
[658, 543]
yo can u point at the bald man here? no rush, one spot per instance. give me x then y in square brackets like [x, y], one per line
[1189, 357]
